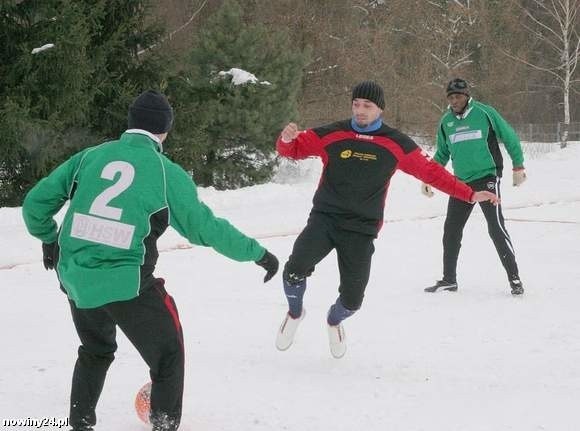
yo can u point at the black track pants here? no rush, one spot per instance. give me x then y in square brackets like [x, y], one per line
[151, 323]
[457, 214]
[354, 251]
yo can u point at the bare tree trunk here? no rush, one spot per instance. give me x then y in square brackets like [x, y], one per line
[567, 27]
[564, 137]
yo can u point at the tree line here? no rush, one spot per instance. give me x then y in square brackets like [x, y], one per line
[70, 68]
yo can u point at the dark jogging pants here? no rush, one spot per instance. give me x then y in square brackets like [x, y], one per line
[151, 322]
[457, 214]
[354, 251]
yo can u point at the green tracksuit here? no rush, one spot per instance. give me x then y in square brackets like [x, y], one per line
[123, 194]
[471, 141]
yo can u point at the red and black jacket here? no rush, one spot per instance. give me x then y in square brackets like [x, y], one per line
[358, 168]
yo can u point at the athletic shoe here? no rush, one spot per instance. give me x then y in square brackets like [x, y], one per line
[285, 336]
[442, 284]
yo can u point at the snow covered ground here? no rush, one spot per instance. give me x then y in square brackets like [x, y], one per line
[475, 360]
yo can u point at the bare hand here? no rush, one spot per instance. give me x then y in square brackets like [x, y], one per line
[427, 190]
[519, 176]
[289, 133]
[485, 196]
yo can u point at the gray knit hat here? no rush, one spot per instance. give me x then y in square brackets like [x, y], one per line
[369, 90]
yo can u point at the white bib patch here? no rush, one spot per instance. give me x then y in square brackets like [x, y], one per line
[108, 232]
[465, 136]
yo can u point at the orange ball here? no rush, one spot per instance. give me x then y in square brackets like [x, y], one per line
[143, 402]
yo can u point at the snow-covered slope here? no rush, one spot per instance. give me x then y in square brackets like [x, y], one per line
[477, 360]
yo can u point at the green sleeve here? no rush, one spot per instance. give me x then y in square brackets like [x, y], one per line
[442, 154]
[507, 135]
[47, 197]
[196, 222]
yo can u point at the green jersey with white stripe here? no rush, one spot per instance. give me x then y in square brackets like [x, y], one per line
[123, 194]
[471, 141]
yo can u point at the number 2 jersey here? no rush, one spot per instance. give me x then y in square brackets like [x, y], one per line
[358, 168]
[123, 194]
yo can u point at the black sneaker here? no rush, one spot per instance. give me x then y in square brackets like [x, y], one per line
[442, 284]
[517, 287]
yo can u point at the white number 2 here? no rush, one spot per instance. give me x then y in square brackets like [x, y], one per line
[99, 206]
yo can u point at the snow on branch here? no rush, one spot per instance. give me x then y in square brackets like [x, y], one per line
[242, 77]
[42, 48]
[324, 69]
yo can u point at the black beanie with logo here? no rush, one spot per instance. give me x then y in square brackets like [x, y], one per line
[369, 90]
[457, 86]
[152, 112]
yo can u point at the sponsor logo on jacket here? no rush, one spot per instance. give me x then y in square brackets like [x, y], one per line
[465, 136]
[101, 231]
[365, 157]
[365, 137]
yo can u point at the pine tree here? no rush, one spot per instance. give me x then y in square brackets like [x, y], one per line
[121, 32]
[43, 93]
[225, 133]
[75, 93]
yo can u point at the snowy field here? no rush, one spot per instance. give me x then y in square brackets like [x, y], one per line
[475, 360]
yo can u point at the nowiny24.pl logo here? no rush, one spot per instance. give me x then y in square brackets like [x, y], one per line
[36, 423]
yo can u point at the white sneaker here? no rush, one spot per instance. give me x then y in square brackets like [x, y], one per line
[337, 340]
[285, 336]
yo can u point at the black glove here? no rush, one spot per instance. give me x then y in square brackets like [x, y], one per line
[270, 264]
[48, 253]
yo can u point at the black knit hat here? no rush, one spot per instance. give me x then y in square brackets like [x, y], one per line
[152, 112]
[457, 86]
[369, 90]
